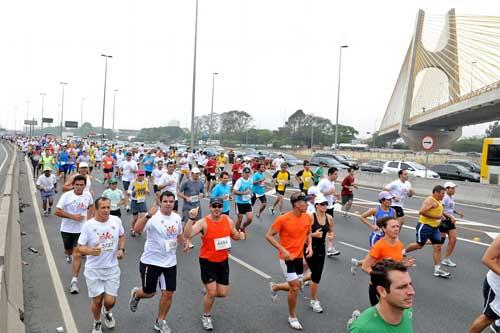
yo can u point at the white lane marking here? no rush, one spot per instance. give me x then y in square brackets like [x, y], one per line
[493, 235]
[459, 238]
[68, 319]
[6, 156]
[353, 246]
[250, 267]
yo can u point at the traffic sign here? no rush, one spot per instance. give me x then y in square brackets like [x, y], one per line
[71, 124]
[30, 122]
[428, 142]
[48, 120]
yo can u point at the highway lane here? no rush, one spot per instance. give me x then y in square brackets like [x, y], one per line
[5, 154]
[248, 308]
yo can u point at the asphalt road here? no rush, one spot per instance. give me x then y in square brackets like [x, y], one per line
[441, 305]
[5, 159]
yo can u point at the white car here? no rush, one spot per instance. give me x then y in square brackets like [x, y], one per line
[414, 169]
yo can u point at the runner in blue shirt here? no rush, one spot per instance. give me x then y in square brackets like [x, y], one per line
[243, 191]
[222, 191]
[258, 189]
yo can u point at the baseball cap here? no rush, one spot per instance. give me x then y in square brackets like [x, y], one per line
[195, 170]
[140, 173]
[113, 181]
[246, 170]
[386, 195]
[319, 199]
[449, 184]
[83, 165]
[47, 168]
[313, 190]
[215, 200]
[299, 196]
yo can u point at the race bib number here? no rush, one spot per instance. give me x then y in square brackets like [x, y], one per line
[212, 173]
[282, 182]
[140, 200]
[246, 197]
[171, 245]
[195, 198]
[307, 179]
[108, 246]
[222, 243]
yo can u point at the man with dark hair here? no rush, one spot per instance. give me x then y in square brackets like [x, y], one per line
[222, 191]
[258, 189]
[400, 189]
[348, 185]
[393, 313]
[74, 207]
[305, 177]
[431, 213]
[327, 187]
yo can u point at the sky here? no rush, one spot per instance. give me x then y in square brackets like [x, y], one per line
[273, 57]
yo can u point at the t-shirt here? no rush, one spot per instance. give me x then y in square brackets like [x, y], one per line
[191, 189]
[277, 162]
[242, 185]
[306, 177]
[83, 158]
[210, 167]
[385, 250]
[157, 173]
[107, 235]
[399, 189]
[348, 181]
[128, 167]
[448, 204]
[221, 190]
[77, 205]
[236, 170]
[138, 190]
[171, 181]
[161, 242]
[282, 179]
[258, 186]
[149, 163]
[293, 232]
[114, 196]
[46, 183]
[47, 161]
[370, 321]
[184, 163]
[221, 161]
[325, 185]
[107, 162]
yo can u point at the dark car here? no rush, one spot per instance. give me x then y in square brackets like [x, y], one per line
[327, 162]
[373, 165]
[455, 172]
[341, 159]
[471, 166]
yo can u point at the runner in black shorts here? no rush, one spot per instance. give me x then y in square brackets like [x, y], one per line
[281, 179]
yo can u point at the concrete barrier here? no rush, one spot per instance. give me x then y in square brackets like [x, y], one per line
[11, 278]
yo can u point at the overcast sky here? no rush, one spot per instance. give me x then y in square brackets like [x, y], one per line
[273, 57]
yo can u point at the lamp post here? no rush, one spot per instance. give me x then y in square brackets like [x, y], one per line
[472, 73]
[193, 98]
[43, 104]
[338, 97]
[312, 133]
[212, 108]
[27, 119]
[62, 108]
[114, 102]
[106, 57]
[81, 117]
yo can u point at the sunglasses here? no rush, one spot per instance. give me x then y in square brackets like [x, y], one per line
[216, 206]
[323, 203]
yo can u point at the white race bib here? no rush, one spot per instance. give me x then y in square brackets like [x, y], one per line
[212, 174]
[222, 243]
[195, 198]
[171, 245]
[108, 246]
[140, 200]
[246, 197]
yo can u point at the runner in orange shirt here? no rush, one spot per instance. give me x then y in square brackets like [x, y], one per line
[217, 230]
[108, 163]
[293, 228]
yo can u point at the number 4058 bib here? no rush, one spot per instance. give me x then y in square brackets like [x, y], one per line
[222, 243]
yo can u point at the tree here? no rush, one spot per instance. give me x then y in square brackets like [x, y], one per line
[493, 131]
[167, 134]
[235, 122]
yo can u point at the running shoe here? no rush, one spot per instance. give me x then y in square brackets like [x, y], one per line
[271, 210]
[133, 302]
[307, 283]
[49, 210]
[73, 287]
[355, 314]
[97, 327]
[334, 252]
[316, 306]
[132, 233]
[191, 245]
[109, 320]
[495, 328]
[354, 266]
[448, 262]
[68, 259]
[207, 323]
[294, 323]
[441, 273]
[162, 326]
[274, 295]
[45, 213]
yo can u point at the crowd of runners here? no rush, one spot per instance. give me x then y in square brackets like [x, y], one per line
[93, 226]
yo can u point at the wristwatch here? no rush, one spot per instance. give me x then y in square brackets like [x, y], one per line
[123, 249]
[148, 216]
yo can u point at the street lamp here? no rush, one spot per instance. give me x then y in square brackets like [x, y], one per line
[62, 108]
[81, 117]
[193, 99]
[114, 102]
[43, 104]
[471, 73]
[104, 97]
[212, 109]
[338, 97]
[27, 118]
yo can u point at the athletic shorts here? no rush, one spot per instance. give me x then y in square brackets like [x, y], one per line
[70, 240]
[110, 170]
[446, 225]
[292, 269]
[279, 192]
[329, 211]
[155, 188]
[138, 207]
[491, 302]
[102, 280]
[185, 213]
[185, 171]
[375, 237]
[47, 195]
[116, 212]
[262, 199]
[214, 271]
[148, 173]
[163, 277]
[126, 185]
[425, 232]
[244, 208]
[346, 198]
[210, 177]
[65, 168]
[399, 211]
[316, 263]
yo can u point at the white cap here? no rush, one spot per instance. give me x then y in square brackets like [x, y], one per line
[195, 170]
[83, 165]
[319, 199]
[449, 184]
[313, 190]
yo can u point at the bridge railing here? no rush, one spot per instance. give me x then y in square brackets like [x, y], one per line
[11, 278]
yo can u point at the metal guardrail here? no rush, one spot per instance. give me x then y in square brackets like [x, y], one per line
[11, 278]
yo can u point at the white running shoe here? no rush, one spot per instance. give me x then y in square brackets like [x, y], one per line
[274, 295]
[448, 262]
[97, 327]
[354, 266]
[73, 288]
[69, 259]
[207, 323]
[133, 302]
[109, 320]
[162, 326]
[294, 323]
[316, 306]
[441, 273]
[191, 245]
[354, 316]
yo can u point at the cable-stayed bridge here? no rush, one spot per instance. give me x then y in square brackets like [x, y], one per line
[450, 78]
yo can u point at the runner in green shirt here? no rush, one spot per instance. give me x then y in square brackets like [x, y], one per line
[115, 196]
[393, 313]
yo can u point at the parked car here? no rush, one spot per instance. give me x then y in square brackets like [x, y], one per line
[341, 159]
[373, 165]
[414, 169]
[455, 172]
[327, 162]
[471, 166]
